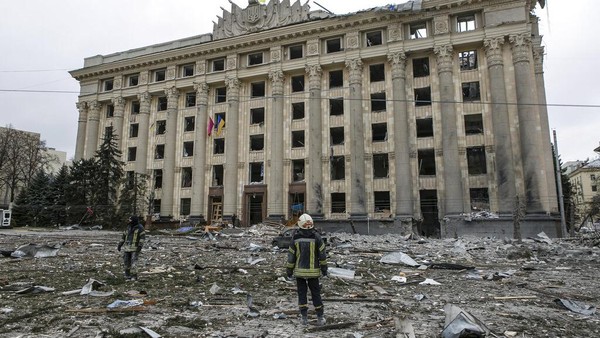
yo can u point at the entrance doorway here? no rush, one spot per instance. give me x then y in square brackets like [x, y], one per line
[429, 209]
[254, 205]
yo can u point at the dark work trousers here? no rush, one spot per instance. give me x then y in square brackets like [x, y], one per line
[315, 291]
[130, 261]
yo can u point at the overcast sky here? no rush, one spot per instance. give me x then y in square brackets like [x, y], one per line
[42, 40]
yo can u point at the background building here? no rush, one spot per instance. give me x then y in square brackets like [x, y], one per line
[409, 115]
[585, 179]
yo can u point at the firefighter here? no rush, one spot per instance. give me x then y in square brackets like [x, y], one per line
[132, 243]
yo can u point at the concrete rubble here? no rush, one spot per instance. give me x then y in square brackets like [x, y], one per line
[232, 284]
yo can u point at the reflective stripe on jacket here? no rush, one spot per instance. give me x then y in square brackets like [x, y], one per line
[133, 238]
[306, 255]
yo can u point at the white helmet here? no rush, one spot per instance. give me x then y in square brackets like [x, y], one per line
[305, 222]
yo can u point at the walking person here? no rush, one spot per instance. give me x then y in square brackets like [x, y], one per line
[307, 261]
[132, 243]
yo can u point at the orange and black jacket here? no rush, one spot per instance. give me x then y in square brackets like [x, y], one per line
[306, 256]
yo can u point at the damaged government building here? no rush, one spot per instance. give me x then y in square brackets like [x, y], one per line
[427, 115]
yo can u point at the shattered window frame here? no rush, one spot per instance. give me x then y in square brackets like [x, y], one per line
[186, 177]
[381, 166]
[295, 52]
[161, 103]
[131, 154]
[425, 127]
[466, 22]
[471, 91]
[220, 94]
[257, 142]
[338, 168]
[298, 110]
[334, 45]
[426, 162]
[188, 149]
[107, 85]
[217, 65]
[159, 152]
[185, 206]
[219, 146]
[479, 199]
[421, 67]
[473, 124]
[161, 127]
[381, 201]
[298, 83]
[476, 160]
[133, 80]
[189, 123]
[377, 72]
[374, 38]
[134, 129]
[256, 59]
[298, 168]
[190, 99]
[188, 70]
[218, 172]
[257, 115]
[336, 79]
[159, 75]
[338, 202]
[417, 30]
[158, 178]
[135, 107]
[468, 60]
[110, 110]
[298, 140]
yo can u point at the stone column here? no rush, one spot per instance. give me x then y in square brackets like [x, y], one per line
[403, 176]
[453, 195]
[230, 182]
[314, 182]
[119, 104]
[81, 126]
[198, 174]
[275, 206]
[529, 127]
[356, 135]
[92, 129]
[504, 164]
[168, 189]
[141, 159]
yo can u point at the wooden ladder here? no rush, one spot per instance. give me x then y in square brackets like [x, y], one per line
[216, 211]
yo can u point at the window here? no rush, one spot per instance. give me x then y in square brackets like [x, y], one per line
[190, 99]
[470, 91]
[158, 176]
[130, 179]
[186, 205]
[425, 127]
[592, 177]
[159, 75]
[297, 170]
[426, 158]
[298, 83]
[423, 96]
[217, 177]
[257, 115]
[131, 153]
[187, 70]
[220, 94]
[219, 146]
[465, 22]
[133, 130]
[161, 127]
[133, 80]
[480, 199]
[333, 45]
[107, 85]
[594, 188]
[381, 165]
[110, 110]
[297, 110]
[379, 132]
[336, 79]
[468, 60]
[336, 106]
[188, 148]
[156, 206]
[257, 172]
[337, 135]
[373, 38]
[255, 59]
[257, 142]
[135, 107]
[420, 67]
[298, 139]
[108, 131]
[378, 102]
[476, 160]
[218, 118]
[382, 201]
[377, 72]
[338, 202]
[257, 89]
[189, 123]
[296, 52]
[338, 168]
[159, 153]
[218, 65]
[186, 177]
[418, 30]
[161, 103]
[473, 124]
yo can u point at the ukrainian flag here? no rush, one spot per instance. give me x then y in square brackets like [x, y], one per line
[220, 125]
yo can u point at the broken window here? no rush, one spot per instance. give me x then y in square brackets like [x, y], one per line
[470, 91]
[298, 139]
[257, 142]
[257, 115]
[425, 127]
[161, 103]
[133, 130]
[297, 170]
[159, 153]
[158, 176]
[257, 172]
[218, 118]
[156, 206]
[374, 38]
[336, 106]
[336, 79]
[161, 127]
[219, 146]
[480, 199]
[255, 59]
[418, 30]
[380, 165]
[135, 107]
[130, 179]
[131, 153]
[337, 135]
[338, 168]
[378, 102]
[257, 89]
[473, 124]
[379, 132]
[217, 175]
[159, 75]
[107, 85]
[468, 60]
[423, 96]
[338, 202]
[297, 110]
[426, 163]
[333, 45]
[186, 177]
[133, 80]
[220, 94]
[296, 52]
[420, 67]
[189, 123]
[108, 131]
[186, 205]
[298, 83]
[110, 110]
[190, 99]
[218, 65]
[377, 72]
[382, 201]
[465, 22]
[594, 188]
[476, 160]
[188, 148]
[187, 70]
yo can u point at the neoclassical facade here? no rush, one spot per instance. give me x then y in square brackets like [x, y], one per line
[417, 115]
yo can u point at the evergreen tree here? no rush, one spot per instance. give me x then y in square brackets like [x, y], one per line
[109, 174]
[33, 203]
[79, 192]
[58, 196]
[133, 198]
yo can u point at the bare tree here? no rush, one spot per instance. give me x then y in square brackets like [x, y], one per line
[518, 215]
